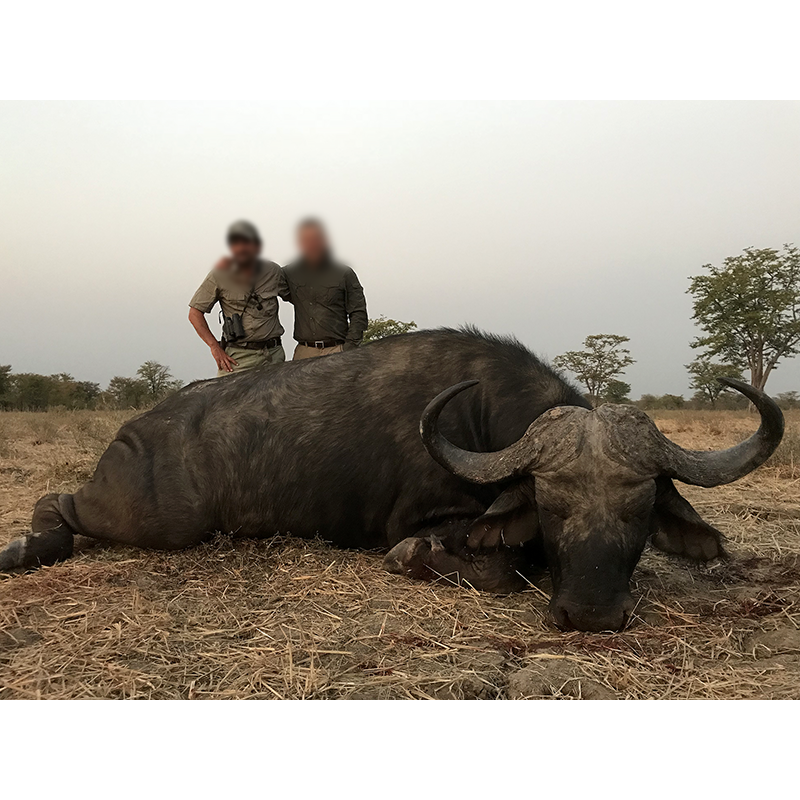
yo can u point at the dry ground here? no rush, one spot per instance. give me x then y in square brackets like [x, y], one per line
[296, 619]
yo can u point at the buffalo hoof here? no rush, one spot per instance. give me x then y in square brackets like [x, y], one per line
[37, 550]
[12, 556]
[428, 559]
[412, 557]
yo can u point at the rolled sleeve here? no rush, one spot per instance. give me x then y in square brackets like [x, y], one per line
[206, 295]
[356, 310]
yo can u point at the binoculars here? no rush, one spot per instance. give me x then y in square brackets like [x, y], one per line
[232, 328]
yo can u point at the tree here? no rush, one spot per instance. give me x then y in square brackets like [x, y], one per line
[617, 392]
[705, 375]
[789, 399]
[127, 392]
[61, 391]
[84, 394]
[28, 391]
[650, 402]
[6, 384]
[602, 361]
[671, 401]
[749, 309]
[382, 327]
[733, 401]
[158, 379]
[31, 392]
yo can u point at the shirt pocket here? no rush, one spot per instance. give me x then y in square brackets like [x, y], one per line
[232, 301]
[331, 292]
[269, 306]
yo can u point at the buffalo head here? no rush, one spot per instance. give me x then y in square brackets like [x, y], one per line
[592, 486]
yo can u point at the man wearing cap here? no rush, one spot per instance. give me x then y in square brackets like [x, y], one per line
[248, 295]
[330, 311]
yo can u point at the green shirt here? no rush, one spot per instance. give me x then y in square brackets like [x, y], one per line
[223, 287]
[329, 303]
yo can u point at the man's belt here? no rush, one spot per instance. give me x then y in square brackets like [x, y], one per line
[266, 344]
[322, 344]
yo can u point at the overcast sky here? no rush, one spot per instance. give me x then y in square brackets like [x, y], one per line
[551, 221]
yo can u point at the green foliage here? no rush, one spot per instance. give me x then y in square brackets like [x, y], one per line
[153, 383]
[31, 392]
[672, 401]
[382, 327]
[158, 380]
[5, 381]
[705, 376]
[27, 391]
[749, 309]
[727, 401]
[787, 400]
[600, 363]
[650, 402]
[85, 393]
[127, 392]
[617, 392]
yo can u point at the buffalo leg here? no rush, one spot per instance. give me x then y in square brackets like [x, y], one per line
[95, 511]
[51, 539]
[441, 552]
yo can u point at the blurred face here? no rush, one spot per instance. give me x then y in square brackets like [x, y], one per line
[244, 251]
[312, 243]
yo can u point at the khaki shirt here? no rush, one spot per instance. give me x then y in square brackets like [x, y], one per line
[221, 286]
[329, 303]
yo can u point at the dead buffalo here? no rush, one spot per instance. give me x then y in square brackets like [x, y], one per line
[522, 471]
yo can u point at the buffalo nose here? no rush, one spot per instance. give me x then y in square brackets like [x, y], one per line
[591, 618]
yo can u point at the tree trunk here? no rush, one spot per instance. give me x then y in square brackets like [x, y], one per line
[757, 380]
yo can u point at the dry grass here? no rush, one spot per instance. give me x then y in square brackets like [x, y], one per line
[285, 618]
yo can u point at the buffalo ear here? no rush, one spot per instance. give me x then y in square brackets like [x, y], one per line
[679, 530]
[512, 519]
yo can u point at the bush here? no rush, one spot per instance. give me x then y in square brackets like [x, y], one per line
[650, 402]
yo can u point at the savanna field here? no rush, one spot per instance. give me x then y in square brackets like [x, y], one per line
[283, 618]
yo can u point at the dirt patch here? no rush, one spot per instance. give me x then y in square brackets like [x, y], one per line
[780, 641]
[556, 677]
[286, 618]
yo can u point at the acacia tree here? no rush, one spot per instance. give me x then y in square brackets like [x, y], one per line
[749, 309]
[158, 380]
[127, 392]
[382, 327]
[599, 364]
[705, 375]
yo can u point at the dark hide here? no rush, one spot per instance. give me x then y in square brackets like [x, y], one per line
[330, 447]
[326, 447]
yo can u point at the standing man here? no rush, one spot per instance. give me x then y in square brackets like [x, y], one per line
[248, 295]
[330, 312]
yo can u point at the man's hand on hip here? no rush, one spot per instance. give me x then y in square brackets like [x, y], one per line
[224, 361]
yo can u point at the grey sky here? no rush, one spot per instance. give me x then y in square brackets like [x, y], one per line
[551, 221]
